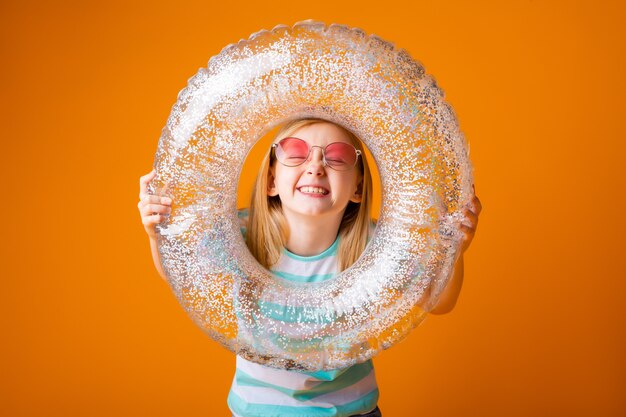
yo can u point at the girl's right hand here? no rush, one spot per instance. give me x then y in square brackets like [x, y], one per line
[152, 208]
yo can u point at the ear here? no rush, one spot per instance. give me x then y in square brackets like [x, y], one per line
[357, 197]
[272, 191]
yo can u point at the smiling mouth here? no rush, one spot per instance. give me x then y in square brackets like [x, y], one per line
[313, 190]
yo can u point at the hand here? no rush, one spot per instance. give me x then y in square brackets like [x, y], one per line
[152, 208]
[471, 211]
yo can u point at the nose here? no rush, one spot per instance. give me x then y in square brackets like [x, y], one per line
[315, 163]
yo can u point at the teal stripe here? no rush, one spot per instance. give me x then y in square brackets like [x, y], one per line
[326, 375]
[291, 314]
[242, 213]
[364, 367]
[360, 406]
[332, 250]
[349, 377]
[298, 345]
[304, 278]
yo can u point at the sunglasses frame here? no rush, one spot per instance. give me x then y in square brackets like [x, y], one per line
[310, 148]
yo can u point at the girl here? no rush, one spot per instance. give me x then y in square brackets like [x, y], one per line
[308, 220]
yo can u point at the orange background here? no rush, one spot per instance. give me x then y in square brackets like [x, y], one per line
[90, 329]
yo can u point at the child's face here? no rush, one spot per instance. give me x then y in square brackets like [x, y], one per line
[299, 187]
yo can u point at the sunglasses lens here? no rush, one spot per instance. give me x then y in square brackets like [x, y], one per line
[340, 156]
[292, 151]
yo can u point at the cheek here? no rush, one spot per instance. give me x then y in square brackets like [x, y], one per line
[346, 184]
[285, 179]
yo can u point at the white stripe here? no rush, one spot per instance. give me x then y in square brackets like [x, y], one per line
[264, 395]
[286, 379]
[325, 265]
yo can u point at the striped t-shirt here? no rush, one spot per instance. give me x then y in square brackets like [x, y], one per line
[261, 391]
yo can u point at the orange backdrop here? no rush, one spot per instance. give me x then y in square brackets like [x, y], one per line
[89, 328]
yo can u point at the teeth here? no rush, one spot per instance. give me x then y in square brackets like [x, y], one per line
[316, 190]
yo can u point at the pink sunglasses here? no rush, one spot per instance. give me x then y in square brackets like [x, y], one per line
[339, 156]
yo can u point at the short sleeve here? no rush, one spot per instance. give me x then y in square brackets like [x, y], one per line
[372, 229]
[242, 214]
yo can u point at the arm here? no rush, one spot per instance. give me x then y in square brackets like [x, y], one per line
[156, 257]
[450, 294]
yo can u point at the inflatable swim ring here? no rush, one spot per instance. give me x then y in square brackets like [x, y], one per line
[367, 86]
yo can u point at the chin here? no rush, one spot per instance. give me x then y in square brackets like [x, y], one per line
[307, 210]
[312, 212]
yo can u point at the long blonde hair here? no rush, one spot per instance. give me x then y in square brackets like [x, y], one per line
[268, 231]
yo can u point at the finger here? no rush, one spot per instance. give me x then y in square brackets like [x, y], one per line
[468, 236]
[143, 183]
[468, 233]
[474, 205]
[471, 219]
[153, 219]
[478, 205]
[154, 199]
[150, 209]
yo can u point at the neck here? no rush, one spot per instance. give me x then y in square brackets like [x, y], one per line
[311, 235]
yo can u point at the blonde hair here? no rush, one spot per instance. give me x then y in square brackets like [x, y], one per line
[268, 231]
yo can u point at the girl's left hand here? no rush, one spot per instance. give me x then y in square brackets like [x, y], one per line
[471, 211]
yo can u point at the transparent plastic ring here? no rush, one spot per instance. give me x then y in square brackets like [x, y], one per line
[371, 88]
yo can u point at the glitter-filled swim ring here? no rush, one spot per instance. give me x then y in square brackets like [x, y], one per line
[365, 85]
